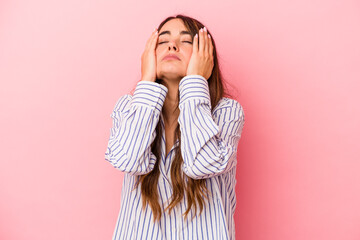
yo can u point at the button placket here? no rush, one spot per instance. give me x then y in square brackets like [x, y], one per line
[162, 159]
[165, 162]
[179, 218]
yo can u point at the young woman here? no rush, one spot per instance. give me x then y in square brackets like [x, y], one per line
[176, 140]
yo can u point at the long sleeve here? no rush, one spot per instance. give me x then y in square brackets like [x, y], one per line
[134, 122]
[208, 145]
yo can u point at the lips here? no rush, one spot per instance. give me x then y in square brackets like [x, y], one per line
[171, 56]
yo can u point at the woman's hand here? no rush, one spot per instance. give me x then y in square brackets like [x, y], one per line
[201, 61]
[148, 59]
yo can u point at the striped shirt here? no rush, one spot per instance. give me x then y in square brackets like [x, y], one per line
[209, 142]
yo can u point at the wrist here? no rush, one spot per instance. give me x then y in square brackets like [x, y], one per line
[147, 79]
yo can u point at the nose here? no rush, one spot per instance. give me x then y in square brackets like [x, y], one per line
[172, 45]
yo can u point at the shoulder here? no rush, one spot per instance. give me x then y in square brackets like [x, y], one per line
[123, 100]
[227, 103]
[122, 103]
[229, 108]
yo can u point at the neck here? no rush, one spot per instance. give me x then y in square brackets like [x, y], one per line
[170, 108]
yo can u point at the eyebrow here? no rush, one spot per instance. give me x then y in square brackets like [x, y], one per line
[168, 32]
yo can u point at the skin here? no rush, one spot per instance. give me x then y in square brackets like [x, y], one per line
[196, 58]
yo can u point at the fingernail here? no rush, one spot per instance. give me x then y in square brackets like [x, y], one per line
[209, 35]
[201, 30]
[205, 29]
[196, 35]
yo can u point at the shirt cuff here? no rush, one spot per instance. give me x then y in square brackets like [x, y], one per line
[194, 87]
[149, 94]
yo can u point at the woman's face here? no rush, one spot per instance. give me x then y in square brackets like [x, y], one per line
[173, 39]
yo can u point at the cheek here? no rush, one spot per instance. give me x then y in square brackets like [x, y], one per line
[159, 51]
[157, 55]
[188, 55]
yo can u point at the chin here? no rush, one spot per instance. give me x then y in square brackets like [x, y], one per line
[175, 74]
[170, 75]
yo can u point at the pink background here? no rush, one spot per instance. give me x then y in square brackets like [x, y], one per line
[296, 65]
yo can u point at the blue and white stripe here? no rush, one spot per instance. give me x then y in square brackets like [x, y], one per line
[208, 145]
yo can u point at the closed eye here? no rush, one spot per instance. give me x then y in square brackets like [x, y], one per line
[167, 41]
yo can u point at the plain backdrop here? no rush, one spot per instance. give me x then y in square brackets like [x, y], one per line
[293, 65]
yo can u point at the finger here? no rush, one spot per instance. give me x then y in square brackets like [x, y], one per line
[196, 43]
[206, 38]
[211, 47]
[154, 41]
[150, 38]
[201, 41]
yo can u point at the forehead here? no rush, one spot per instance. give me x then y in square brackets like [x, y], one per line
[173, 27]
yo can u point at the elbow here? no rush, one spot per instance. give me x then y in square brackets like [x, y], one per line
[132, 166]
[196, 172]
[203, 168]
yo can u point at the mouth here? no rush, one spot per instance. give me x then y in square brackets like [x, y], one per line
[171, 57]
